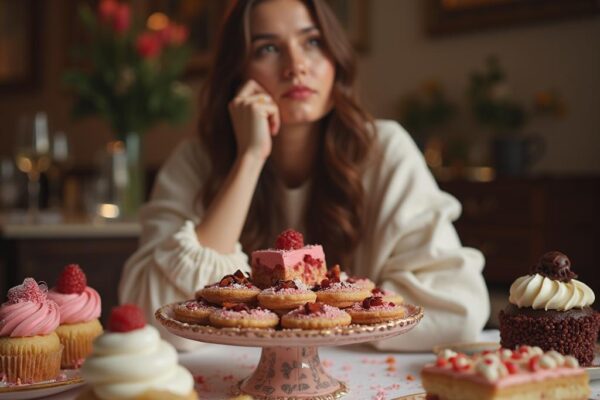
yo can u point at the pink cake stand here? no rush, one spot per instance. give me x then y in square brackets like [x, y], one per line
[289, 366]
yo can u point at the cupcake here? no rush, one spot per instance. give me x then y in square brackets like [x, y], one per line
[30, 350]
[131, 362]
[79, 307]
[550, 309]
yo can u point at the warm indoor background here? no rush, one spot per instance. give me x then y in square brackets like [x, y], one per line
[408, 49]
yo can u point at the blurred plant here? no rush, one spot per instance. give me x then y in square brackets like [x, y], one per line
[425, 109]
[129, 74]
[490, 101]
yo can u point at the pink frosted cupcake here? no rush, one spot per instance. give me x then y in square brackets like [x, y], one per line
[315, 316]
[240, 315]
[373, 310]
[30, 350]
[80, 308]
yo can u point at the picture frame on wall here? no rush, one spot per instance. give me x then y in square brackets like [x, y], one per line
[20, 48]
[455, 16]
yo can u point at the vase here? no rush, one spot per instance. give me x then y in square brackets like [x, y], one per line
[120, 187]
[513, 156]
[136, 186]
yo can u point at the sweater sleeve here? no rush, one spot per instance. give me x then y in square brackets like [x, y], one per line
[170, 264]
[418, 253]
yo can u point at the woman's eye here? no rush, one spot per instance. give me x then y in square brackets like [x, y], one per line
[265, 49]
[314, 41]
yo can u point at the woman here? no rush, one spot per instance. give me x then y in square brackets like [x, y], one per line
[283, 143]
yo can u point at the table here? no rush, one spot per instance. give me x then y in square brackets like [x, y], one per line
[371, 375]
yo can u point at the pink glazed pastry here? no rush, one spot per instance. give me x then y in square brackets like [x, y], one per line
[290, 260]
[80, 308]
[30, 350]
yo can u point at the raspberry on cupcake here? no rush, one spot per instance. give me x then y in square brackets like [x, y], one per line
[315, 316]
[286, 295]
[80, 308]
[235, 288]
[30, 350]
[240, 315]
[373, 310]
[131, 362]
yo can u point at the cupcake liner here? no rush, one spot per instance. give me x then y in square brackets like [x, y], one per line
[75, 351]
[31, 368]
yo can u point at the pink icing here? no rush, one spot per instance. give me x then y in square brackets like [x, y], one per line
[24, 319]
[272, 257]
[77, 307]
[330, 312]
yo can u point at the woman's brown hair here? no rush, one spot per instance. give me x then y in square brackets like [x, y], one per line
[334, 216]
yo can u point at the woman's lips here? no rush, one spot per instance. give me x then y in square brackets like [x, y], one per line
[299, 93]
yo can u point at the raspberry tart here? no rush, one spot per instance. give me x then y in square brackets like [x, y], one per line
[289, 260]
[373, 310]
[315, 316]
[235, 288]
[80, 308]
[242, 316]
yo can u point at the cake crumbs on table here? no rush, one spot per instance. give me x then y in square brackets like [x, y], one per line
[410, 377]
[327, 363]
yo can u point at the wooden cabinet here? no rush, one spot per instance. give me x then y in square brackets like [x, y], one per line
[514, 221]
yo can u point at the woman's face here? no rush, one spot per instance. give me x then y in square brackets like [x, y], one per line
[288, 60]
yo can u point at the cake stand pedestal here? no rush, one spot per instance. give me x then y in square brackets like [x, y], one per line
[289, 366]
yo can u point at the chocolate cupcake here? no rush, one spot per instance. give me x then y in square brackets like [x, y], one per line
[550, 309]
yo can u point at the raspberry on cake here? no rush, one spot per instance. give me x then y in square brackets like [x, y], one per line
[551, 309]
[290, 260]
[526, 373]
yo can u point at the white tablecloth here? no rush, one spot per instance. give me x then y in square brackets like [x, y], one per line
[370, 375]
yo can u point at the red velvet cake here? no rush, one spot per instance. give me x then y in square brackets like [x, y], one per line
[290, 260]
[525, 373]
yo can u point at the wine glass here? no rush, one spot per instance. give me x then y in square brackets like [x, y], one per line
[61, 158]
[33, 156]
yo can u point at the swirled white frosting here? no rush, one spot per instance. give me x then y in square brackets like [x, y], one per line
[124, 365]
[539, 292]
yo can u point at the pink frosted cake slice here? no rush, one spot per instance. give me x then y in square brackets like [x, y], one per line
[525, 373]
[290, 260]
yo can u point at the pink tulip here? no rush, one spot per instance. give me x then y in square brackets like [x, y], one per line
[148, 45]
[122, 18]
[107, 9]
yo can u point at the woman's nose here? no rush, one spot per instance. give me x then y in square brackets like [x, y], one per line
[295, 64]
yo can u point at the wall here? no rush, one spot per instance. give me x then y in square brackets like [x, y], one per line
[564, 55]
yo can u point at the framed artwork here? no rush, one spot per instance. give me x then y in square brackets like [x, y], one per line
[19, 44]
[354, 16]
[452, 16]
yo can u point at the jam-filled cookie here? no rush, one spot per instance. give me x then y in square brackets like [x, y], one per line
[194, 311]
[340, 294]
[286, 295]
[336, 274]
[240, 315]
[236, 288]
[373, 310]
[315, 316]
[387, 295]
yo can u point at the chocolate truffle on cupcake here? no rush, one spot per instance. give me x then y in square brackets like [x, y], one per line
[550, 309]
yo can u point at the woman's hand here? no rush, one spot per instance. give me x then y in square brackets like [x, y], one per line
[255, 118]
